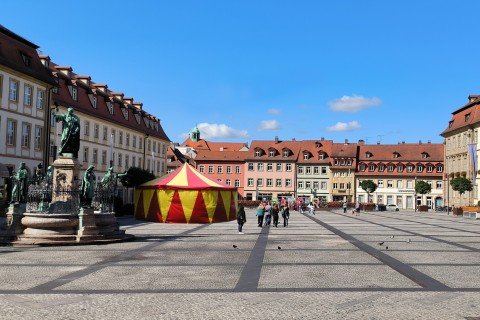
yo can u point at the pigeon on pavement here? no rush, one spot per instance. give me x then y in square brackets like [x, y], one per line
[234, 246]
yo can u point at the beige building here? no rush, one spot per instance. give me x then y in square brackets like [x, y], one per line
[24, 92]
[461, 132]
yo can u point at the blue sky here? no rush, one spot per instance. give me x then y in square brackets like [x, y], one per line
[381, 71]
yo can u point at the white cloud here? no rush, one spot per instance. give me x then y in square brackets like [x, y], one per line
[353, 103]
[269, 125]
[213, 131]
[274, 111]
[343, 127]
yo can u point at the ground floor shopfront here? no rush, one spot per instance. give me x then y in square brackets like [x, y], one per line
[403, 199]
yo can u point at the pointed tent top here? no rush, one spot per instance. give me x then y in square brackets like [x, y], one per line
[186, 177]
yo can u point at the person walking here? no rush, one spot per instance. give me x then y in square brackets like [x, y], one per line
[260, 214]
[285, 216]
[241, 218]
[275, 212]
[268, 214]
[344, 207]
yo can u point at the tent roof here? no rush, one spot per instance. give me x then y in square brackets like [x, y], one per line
[186, 177]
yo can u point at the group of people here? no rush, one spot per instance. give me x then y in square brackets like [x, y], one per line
[266, 212]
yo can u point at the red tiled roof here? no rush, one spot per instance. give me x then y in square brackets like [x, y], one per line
[408, 152]
[466, 116]
[279, 146]
[214, 146]
[207, 155]
[313, 148]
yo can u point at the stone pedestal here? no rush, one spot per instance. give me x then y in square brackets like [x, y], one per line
[65, 177]
[14, 217]
[87, 229]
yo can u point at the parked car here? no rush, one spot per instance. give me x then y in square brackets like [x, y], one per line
[392, 207]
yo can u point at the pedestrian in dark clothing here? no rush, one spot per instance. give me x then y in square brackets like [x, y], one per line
[241, 218]
[260, 213]
[285, 216]
[275, 212]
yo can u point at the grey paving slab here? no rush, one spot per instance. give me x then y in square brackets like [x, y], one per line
[330, 266]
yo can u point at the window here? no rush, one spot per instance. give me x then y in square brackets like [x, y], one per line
[259, 182]
[400, 168]
[389, 183]
[95, 156]
[323, 185]
[429, 168]
[419, 168]
[120, 138]
[278, 183]
[259, 166]
[336, 174]
[315, 170]
[439, 184]
[409, 168]
[279, 167]
[40, 99]
[315, 185]
[250, 166]
[257, 153]
[25, 135]
[335, 185]
[342, 186]
[219, 169]
[74, 93]
[288, 167]
[134, 141]
[104, 157]
[288, 183]
[13, 90]
[229, 169]
[308, 170]
[381, 167]
[380, 183]
[409, 184]
[237, 169]
[440, 169]
[305, 156]
[86, 128]
[300, 184]
[119, 163]
[269, 167]
[96, 129]
[237, 183]
[105, 133]
[38, 138]
[250, 182]
[321, 156]
[390, 168]
[27, 95]
[133, 162]
[342, 162]
[399, 184]
[210, 169]
[85, 154]
[11, 132]
[371, 168]
[349, 162]
[269, 182]
[286, 153]
[201, 169]
[361, 167]
[271, 153]
[228, 182]
[300, 170]
[324, 170]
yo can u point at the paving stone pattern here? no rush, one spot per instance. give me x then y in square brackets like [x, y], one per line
[378, 265]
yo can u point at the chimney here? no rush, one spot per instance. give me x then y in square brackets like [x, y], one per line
[322, 139]
[346, 141]
[361, 142]
[276, 139]
[429, 142]
[473, 97]
[419, 141]
[403, 142]
[294, 139]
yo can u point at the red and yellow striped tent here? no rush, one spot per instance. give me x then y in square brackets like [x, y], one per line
[185, 196]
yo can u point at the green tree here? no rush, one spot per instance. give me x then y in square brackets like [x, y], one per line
[136, 176]
[461, 185]
[368, 186]
[422, 187]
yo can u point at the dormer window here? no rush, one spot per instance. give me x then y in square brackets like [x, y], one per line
[73, 92]
[305, 156]
[257, 153]
[450, 124]
[271, 153]
[286, 153]
[125, 113]
[318, 145]
[381, 167]
[93, 99]
[26, 59]
[467, 116]
[110, 108]
[396, 155]
[361, 167]
[368, 154]
[424, 155]
[429, 168]
[321, 156]
[410, 168]
[349, 162]
[371, 168]
[419, 168]
[440, 169]
[137, 117]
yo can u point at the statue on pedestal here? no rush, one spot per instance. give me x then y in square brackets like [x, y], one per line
[70, 143]
[109, 181]
[88, 187]
[20, 180]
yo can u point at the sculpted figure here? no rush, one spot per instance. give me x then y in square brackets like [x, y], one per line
[88, 187]
[20, 180]
[70, 143]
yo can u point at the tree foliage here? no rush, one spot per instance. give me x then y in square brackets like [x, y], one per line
[422, 187]
[461, 184]
[369, 186]
[136, 176]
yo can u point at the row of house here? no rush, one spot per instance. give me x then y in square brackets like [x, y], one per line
[116, 130]
[319, 170]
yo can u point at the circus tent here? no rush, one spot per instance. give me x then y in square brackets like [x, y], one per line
[185, 196]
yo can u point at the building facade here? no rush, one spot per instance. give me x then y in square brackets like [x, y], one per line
[343, 163]
[461, 151]
[396, 169]
[25, 86]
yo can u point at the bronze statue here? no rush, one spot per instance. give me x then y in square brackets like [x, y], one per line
[70, 143]
[109, 181]
[20, 180]
[88, 187]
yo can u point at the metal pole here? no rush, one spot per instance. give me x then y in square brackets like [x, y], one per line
[111, 150]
